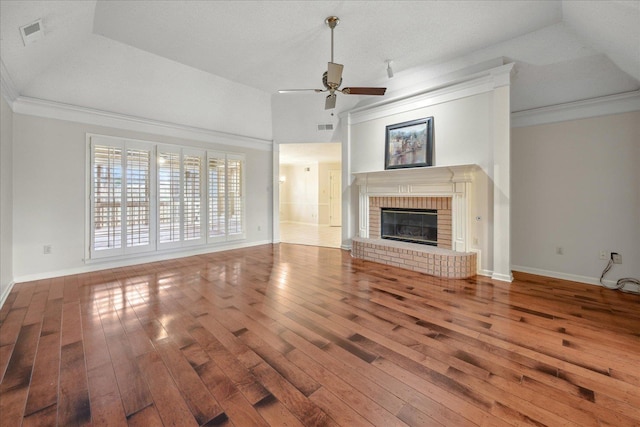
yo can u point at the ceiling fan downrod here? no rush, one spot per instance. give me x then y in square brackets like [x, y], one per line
[331, 22]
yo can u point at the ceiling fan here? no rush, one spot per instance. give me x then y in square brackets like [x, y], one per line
[332, 78]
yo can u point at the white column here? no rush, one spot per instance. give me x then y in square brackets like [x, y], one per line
[275, 238]
[501, 180]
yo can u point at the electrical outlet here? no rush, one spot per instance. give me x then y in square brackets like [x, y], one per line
[604, 255]
[616, 258]
[46, 249]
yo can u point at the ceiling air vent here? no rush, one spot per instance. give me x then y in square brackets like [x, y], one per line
[328, 126]
[32, 32]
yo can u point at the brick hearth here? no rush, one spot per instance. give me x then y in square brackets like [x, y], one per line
[438, 261]
[424, 259]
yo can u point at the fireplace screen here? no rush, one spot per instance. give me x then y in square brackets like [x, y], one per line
[410, 225]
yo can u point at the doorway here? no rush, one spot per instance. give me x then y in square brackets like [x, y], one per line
[310, 194]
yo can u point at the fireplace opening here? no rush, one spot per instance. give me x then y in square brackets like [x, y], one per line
[410, 225]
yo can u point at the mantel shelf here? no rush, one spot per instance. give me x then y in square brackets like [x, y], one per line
[443, 174]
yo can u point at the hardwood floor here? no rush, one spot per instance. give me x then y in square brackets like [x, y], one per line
[290, 335]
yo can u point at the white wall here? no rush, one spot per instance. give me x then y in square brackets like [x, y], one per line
[576, 185]
[296, 118]
[49, 166]
[463, 134]
[299, 193]
[6, 199]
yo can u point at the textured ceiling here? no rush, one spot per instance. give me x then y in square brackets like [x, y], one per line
[121, 55]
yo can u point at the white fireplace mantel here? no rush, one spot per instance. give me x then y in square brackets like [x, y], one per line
[453, 181]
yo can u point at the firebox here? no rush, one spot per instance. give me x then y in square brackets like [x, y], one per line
[410, 225]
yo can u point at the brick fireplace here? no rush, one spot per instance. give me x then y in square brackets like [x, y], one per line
[442, 206]
[443, 189]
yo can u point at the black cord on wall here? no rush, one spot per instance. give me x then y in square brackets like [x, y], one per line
[621, 282]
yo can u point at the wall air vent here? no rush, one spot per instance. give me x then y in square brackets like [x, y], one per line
[32, 32]
[328, 126]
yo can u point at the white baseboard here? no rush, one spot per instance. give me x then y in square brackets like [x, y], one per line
[487, 273]
[573, 277]
[97, 266]
[6, 293]
[502, 277]
[303, 223]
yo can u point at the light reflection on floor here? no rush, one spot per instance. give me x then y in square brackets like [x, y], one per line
[308, 234]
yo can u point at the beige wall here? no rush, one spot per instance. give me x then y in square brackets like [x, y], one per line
[49, 199]
[576, 185]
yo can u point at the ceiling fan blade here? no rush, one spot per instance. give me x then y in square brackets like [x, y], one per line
[330, 102]
[364, 90]
[299, 90]
[334, 73]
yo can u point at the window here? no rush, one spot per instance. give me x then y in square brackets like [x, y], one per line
[138, 197]
[121, 197]
[146, 197]
[226, 196]
[235, 191]
[191, 199]
[106, 200]
[217, 198]
[169, 197]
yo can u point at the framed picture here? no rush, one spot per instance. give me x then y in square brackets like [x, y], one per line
[409, 144]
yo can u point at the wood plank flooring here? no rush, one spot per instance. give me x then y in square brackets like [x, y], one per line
[290, 335]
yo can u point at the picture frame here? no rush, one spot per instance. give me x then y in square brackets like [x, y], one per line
[409, 144]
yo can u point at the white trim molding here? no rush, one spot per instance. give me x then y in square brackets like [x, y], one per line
[573, 278]
[55, 110]
[6, 293]
[602, 106]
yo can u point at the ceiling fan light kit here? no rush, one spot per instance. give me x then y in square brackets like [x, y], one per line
[332, 78]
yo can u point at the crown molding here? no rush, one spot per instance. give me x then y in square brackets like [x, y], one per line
[8, 89]
[55, 110]
[437, 91]
[594, 107]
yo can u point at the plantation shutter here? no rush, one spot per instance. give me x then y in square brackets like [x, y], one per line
[192, 203]
[138, 198]
[235, 196]
[217, 199]
[120, 197]
[106, 200]
[169, 197]
[145, 197]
